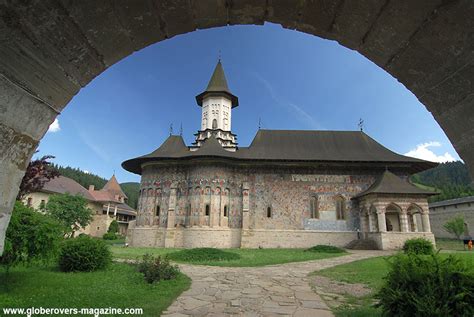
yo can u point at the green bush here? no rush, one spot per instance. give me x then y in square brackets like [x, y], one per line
[84, 254]
[428, 285]
[325, 249]
[31, 236]
[157, 268]
[203, 255]
[113, 227]
[418, 246]
[110, 236]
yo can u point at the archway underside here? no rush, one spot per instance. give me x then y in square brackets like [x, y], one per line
[50, 49]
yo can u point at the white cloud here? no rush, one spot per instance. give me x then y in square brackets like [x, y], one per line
[54, 127]
[423, 152]
[86, 171]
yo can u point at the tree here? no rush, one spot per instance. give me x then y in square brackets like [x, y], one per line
[31, 236]
[37, 173]
[71, 211]
[113, 227]
[455, 226]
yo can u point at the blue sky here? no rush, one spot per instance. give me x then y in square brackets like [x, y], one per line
[290, 80]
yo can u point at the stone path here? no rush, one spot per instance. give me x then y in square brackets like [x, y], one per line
[276, 290]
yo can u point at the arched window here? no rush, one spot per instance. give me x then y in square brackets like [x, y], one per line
[340, 208]
[158, 210]
[269, 212]
[225, 211]
[314, 207]
[214, 124]
[208, 209]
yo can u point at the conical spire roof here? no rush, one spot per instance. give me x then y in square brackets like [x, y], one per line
[218, 81]
[218, 85]
[113, 186]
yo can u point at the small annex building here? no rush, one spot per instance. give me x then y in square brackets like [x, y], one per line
[289, 189]
[107, 204]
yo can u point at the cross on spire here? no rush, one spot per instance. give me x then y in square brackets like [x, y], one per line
[361, 125]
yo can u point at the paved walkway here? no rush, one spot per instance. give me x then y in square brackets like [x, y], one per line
[276, 290]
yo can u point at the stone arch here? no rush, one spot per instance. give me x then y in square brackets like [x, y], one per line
[373, 221]
[55, 48]
[415, 221]
[392, 217]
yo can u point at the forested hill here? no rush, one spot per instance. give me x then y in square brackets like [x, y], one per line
[85, 179]
[452, 179]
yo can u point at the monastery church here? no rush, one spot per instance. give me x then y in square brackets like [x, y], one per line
[288, 189]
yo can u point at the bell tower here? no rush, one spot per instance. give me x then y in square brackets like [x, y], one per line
[217, 103]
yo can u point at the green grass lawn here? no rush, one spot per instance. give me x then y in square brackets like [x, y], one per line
[370, 272]
[118, 242]
[119, 286]
[248, 257]
[450, 244]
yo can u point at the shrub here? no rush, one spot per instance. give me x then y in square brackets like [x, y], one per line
[418, 246]
[325, 249]
[203, 255]
[113, 227]
[31, 236]
[157, 268]
[109, 236]
[420, 285]
[84, 254]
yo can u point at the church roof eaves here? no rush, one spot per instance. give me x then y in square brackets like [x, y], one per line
[290, 146]
[389, 183]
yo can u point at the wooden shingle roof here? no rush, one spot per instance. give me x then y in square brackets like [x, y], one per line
[287, 146]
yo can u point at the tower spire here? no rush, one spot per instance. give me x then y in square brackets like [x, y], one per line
[217, 103]
[217, 86]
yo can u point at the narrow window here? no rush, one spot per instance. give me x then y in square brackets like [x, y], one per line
[269, 212]
[340, 208]
[208, 210]
[225, 211]
[214, 124]
[314, 207]
[158, 210]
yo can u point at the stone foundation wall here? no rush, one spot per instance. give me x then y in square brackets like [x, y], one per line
[294, 238]
[184, 237]
[395, 240]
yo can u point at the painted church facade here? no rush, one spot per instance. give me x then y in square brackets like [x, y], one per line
[289, 189]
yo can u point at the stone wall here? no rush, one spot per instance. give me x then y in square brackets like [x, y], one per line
[98, 227]
[395, 240]
[294, 238]
[184, 237]
[440, 215]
